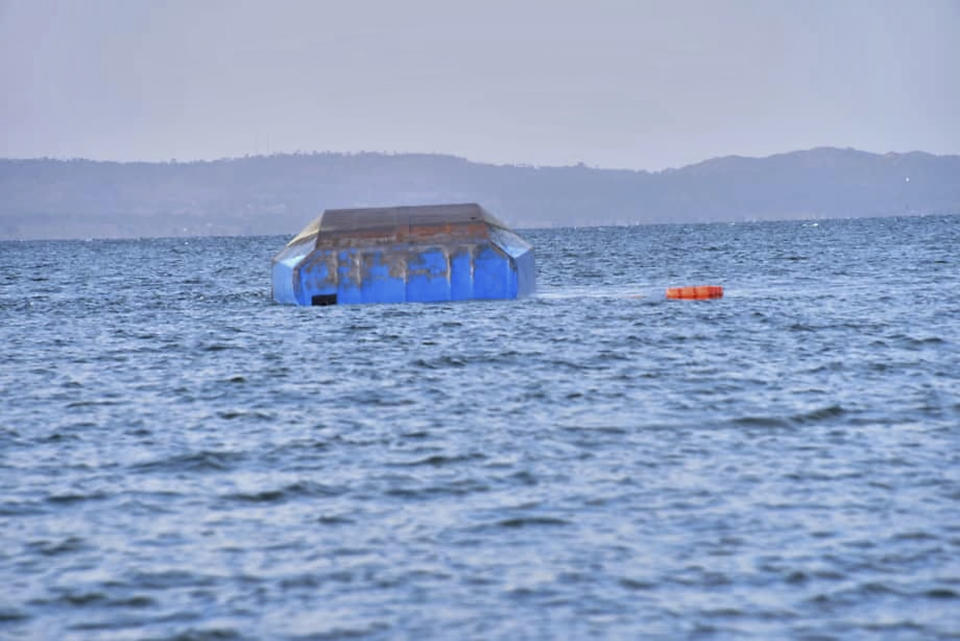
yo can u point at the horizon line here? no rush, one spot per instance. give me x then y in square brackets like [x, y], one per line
[518, 165]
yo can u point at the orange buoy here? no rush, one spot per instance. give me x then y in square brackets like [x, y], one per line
[700, 292]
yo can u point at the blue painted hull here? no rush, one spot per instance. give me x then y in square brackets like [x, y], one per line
[496, 264]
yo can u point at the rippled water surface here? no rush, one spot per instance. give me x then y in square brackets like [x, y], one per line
[182, 459]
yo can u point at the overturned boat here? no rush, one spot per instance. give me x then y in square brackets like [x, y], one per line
[403, 254]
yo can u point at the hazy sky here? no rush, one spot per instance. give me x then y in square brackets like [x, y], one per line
[638, 84]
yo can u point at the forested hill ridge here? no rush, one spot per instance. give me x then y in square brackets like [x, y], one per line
[278, 194]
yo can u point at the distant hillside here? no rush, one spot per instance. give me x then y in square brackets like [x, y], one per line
[278, 194]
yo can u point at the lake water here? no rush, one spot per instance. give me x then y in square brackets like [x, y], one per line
[182, 459]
